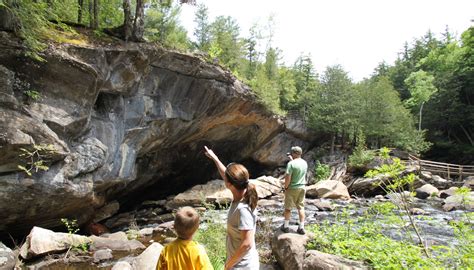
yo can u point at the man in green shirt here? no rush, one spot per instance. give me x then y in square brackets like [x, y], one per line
[295, 181]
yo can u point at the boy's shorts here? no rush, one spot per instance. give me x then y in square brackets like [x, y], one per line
[294, 198]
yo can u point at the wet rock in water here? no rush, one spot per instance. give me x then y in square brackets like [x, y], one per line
[148, 259]
[418, 211]
[448, 192]
[398, 198]
[102, 255]
[440, 182]
[425, 175]
[469, 182]
[321, 205]
[7, 257]
[319, 260]
[329, 189]
[268, 203]
[380, 198]
[459, 202]
[42, 242]
[426, 191]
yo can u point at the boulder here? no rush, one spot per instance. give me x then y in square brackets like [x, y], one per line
[329, 189]
[469, 182]
[399, 198]
[122, 265]
[102, 255]
[291, 254]
[148, 259]
[116, 236]
[42, 241]
[215, 192]
[7, 257]
[114, 244]
[425, 175]
[448, 192]
[319, 260]
[459, 202]
[289, 249]
[426, 191]
[212, 192]
[321, 205]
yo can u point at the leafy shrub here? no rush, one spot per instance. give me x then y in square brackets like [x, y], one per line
[361, 157]
[321, 171]
[212, 235]
[34, 159]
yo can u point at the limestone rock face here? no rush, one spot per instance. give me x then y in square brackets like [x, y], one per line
[124, 121]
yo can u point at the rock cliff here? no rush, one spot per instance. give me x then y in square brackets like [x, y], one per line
[118, 122]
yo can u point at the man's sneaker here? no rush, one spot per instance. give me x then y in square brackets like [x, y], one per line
[284, 229]
[300, 231]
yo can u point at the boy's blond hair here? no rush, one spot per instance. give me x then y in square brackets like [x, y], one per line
[186, 222]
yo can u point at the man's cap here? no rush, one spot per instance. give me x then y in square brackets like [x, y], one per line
[297, 150]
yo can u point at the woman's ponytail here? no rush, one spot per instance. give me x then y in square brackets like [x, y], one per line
[251, 196]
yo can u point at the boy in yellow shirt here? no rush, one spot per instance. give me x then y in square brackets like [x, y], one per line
[184, 253]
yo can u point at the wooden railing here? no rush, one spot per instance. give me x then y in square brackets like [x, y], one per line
[443, 168]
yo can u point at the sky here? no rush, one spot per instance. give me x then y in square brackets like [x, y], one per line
[357, 35]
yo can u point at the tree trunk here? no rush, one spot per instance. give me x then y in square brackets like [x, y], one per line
[139, 22]
[467, 135]
[127, 20]
[421, 111]
[96, 14]
[331, 153]
[343, 139]
[80, 6]
[91, 12]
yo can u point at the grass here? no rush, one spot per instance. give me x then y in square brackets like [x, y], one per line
[212, 236]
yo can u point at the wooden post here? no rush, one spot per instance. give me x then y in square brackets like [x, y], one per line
[460, 173]
[448, 173]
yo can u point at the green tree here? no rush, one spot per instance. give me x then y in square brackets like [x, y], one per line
[266, 90]
[420, 85]
[286, 88]
[202, 31]
[383, 119]
[162, 25]
[251, 51]
[330, 110]
[225, 36]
